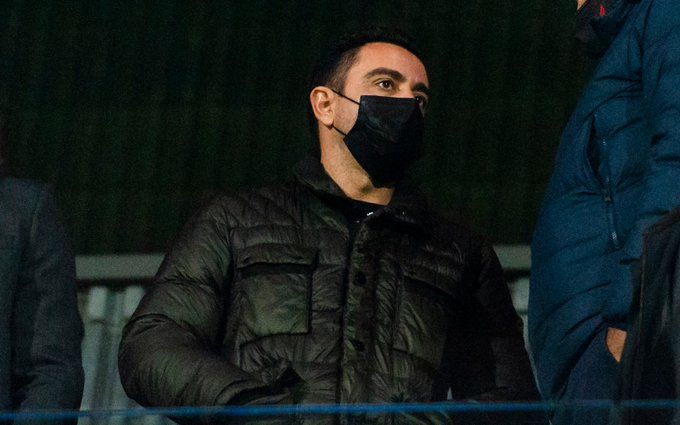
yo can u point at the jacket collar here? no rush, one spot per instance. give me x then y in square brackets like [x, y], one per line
[408, 205]
[605, 82]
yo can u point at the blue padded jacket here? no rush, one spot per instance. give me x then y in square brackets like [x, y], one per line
[617, 171]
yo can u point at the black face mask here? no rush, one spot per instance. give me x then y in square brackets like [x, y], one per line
[387, 137]
[597, 24]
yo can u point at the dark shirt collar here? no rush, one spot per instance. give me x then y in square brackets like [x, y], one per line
[408, 205]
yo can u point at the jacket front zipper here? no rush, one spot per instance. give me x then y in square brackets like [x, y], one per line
[609, 200]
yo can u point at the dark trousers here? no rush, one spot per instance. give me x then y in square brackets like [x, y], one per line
[593, 378]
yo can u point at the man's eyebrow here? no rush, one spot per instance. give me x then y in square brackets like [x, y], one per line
[396, 76]
[423, 88]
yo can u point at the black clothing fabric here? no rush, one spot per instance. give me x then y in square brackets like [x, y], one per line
[40, 328]
[354, 212]
[649, 364]
[266, 293]
[598, 22]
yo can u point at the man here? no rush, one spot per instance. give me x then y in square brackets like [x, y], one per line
[617, 171]
[40, 328]
[341, 287]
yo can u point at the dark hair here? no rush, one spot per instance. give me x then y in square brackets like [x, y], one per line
[4, 165]
[334, 63]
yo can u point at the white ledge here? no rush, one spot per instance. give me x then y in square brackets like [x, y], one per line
[117, 266]
[144, 266]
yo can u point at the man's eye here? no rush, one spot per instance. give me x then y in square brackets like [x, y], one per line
[422, 101]
[385, 84]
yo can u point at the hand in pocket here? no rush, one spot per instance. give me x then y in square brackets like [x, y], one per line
[616, 338]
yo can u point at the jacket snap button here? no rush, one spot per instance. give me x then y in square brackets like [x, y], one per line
[360, 279]
[358, 345]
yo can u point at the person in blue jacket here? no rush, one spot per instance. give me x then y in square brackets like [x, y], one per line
[617, 171]
[40, 328]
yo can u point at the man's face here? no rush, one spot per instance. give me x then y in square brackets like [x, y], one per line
[580, 3]
[381, 69]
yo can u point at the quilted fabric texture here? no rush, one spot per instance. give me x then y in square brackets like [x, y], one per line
[268, 296]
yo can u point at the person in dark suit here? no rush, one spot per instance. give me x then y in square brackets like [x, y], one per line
[40, 327]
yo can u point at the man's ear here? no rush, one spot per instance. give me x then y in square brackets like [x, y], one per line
[322, 100]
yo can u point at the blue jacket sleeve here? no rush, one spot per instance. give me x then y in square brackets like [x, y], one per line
[660, 43]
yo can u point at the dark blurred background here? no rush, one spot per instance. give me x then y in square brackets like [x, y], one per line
[135, 109]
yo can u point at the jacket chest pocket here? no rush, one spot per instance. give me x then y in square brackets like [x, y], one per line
[425, 313]
[273, 290]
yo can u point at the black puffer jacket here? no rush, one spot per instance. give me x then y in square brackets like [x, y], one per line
[267, 296]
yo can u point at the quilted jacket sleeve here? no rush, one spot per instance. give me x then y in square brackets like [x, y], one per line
[169, 351]
[491, 363]
[498, 325]
[660, 43]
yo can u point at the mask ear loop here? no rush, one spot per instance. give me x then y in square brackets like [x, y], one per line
[342, 95]
[336, 129]
[351, 100]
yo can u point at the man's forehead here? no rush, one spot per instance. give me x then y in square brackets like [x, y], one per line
[380, 55]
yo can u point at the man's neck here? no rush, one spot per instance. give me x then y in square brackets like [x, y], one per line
[352, 179]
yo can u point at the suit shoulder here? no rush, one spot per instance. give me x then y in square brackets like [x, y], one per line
[21, 195]
[19, 201]
[22, 189]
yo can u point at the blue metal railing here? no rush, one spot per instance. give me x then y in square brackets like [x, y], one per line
[344, 410]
